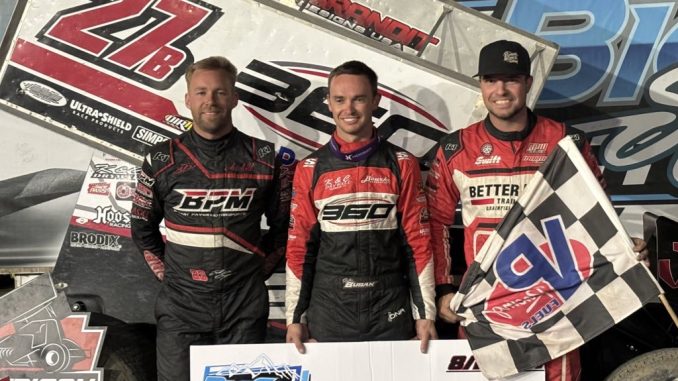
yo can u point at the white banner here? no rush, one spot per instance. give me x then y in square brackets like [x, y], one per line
[446, 360]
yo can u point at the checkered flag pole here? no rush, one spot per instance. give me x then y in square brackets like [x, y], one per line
[558, 271]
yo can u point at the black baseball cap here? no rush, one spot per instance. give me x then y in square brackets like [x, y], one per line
[503, 57]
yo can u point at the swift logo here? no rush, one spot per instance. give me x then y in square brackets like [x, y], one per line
[218, 200]
[533, 282]
[488, 160]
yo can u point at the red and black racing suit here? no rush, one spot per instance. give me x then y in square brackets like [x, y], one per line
[212, 195]
[486, 170]
[359, 265]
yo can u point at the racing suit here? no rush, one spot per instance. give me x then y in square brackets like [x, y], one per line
[486, 170]
[359, 265]
[212, 194]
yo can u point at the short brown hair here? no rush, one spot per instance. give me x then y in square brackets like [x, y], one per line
[212, 63]
[355, 68]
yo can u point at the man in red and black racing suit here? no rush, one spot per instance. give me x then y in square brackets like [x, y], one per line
[359, 266]
[486, 166]
[211, 185]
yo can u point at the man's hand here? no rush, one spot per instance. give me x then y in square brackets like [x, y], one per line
[444, 310]
[155, 264]
[298, 334]
[426, 330]
[640, 247]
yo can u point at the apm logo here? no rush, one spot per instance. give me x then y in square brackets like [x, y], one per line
[289, 99]
[535, 279]
[261, 369]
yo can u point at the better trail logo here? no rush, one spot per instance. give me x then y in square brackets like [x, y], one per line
[535, 279]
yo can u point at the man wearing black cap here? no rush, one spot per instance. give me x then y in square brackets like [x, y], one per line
[486, 166]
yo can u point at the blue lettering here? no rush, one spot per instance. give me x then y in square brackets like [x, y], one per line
[636, 56]
[561, 275]
[585, 31]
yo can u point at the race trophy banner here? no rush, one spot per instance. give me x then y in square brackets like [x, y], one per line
[446, 360]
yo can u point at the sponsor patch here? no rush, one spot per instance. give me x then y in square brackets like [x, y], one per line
[537, 148]
[337, 183]
[111, 217]
[178, 122]
[393, 315]
[99, 188]
[215, 200]
[375, 180]
[199, 275]
[148, 137]
[486, 149]
[43, 93]
[124, 190]
[350, 283]
[483, 160]
[98, 241]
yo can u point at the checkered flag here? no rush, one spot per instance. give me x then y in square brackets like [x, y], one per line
[558, 271]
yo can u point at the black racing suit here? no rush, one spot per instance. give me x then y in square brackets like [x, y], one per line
[212, 195]
[359, 264]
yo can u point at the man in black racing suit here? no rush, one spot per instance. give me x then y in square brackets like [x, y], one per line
[211, 184]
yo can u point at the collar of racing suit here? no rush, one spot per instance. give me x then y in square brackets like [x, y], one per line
[513, 135]
[216, 145]
[353, 151]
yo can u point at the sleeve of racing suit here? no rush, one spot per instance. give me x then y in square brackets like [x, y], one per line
[147, 213]
[302, 245]
[277, 216]
[443, 196]
[417, 235]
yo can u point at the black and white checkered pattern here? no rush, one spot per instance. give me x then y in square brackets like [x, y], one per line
[617, 286]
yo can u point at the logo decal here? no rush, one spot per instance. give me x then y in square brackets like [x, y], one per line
[350, 283]
[99, 188]
[43, 93]
[262, 369]
[337, 183]
[40, 339]
[215, 200]
[486, 149]
[534, 281]
[148, 137]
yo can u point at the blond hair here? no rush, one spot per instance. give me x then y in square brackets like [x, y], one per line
[212, 63]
